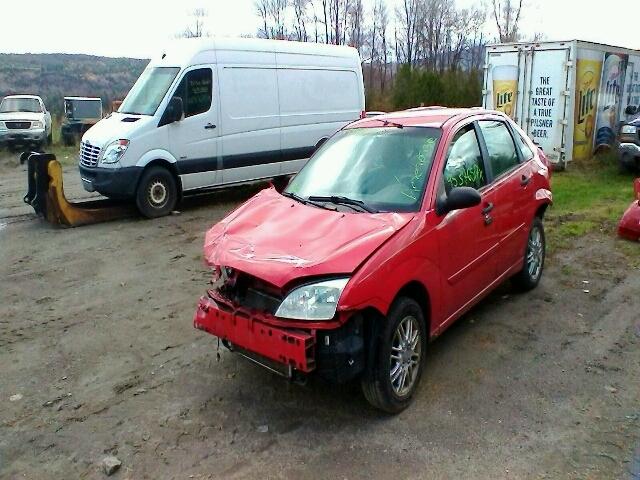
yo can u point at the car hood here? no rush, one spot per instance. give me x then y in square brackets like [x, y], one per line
[28, 116]
[279, 240]
[114, 127]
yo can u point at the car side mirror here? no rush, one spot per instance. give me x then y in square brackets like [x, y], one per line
[173, 112]
[631, 110]
[459, 198]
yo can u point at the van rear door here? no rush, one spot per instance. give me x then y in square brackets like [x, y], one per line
[547, 103]
[194, 140]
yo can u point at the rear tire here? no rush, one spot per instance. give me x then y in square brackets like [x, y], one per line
[400, 352]
[531, 273]
[157, 193]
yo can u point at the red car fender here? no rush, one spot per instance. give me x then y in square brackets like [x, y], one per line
[404, 259]
[629, 226]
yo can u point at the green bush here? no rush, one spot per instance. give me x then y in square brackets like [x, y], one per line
[453, 88]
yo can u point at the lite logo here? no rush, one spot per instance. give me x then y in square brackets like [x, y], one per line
[503, 99]
[586, 104]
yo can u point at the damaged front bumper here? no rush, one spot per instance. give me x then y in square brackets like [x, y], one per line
[337, 352]
[283, 350]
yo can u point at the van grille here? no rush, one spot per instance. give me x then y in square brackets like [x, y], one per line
[89, 155]
[18, 125]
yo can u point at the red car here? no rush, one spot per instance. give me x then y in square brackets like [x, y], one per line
[396, 227]
[629, 226]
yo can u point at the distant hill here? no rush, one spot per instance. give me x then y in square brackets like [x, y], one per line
[54, 76]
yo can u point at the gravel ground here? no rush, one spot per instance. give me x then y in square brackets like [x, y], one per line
[98, 358]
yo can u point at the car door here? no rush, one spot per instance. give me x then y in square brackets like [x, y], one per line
[194, 140]
[512, 179]
[468, 238]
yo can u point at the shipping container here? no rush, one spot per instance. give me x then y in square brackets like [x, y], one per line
[570, 97]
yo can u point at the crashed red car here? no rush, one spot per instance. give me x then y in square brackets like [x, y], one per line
[629, 226]
[396, 227]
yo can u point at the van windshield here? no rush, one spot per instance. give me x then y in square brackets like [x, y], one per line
[381, 169]
[147, 94]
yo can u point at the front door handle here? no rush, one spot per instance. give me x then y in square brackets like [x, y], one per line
[209, 126]
[524, 180]
[487, 209]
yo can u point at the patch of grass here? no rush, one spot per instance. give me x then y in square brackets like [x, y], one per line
[590, 196]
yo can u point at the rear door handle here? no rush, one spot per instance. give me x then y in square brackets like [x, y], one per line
[487, 209]
[524, 180]
[209, 126]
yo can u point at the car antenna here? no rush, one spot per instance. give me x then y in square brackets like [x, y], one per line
[388, 122]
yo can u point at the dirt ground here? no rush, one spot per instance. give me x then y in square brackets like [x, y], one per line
[98, 357]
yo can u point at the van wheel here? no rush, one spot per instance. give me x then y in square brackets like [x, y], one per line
[389, 384]
[157, 193]
[529, 277]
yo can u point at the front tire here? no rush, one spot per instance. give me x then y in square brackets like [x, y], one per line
[157, 193]
[529, 277]
[390, 383]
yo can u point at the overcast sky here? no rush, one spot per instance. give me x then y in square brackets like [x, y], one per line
[137, 28]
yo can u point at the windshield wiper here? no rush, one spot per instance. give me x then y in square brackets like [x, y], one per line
[340, 200]
[305, 201]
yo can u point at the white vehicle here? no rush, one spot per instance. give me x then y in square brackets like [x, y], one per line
[569, 97]
[215, 112]
[24, 121]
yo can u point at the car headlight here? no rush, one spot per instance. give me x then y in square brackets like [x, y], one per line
[37, 124]
[2, 126]
[629, 129]
[317, 301]
[114, 151]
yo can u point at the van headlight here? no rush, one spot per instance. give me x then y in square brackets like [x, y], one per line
[317, 301]
[114, 151]
[629, 129]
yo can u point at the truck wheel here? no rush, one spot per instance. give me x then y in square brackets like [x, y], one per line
[529, 277]
[389, 384]
[157, 193]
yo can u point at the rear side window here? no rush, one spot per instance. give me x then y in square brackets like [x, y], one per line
[527, 154]
[195, 89]
[464, 167]
[502, 151]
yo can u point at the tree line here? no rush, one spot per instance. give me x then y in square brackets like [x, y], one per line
[414, 52]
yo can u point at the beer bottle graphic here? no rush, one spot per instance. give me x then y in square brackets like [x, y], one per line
[588, 73]
[505, 89]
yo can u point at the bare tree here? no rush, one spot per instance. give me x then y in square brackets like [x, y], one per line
[196, 28]
[356, 24]
[507, 16]
[300, 8]
[407, 16]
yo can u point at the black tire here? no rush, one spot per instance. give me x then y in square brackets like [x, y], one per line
[376, 382]
[68, 140]
[534, 255]
[157, 193]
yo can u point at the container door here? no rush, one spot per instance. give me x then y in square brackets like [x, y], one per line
[504, 79]
[546, 113]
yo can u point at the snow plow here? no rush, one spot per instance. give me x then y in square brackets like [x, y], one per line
[46, 195]
[629, 226]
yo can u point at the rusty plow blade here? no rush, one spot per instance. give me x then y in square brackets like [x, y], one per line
[46, 195]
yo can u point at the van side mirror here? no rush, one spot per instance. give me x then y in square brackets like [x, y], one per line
[631, 110]
[173, 112]
[459, 198]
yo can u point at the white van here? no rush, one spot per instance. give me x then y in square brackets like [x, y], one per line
[214, 112]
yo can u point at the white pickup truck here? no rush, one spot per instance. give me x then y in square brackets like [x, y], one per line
[24, 121]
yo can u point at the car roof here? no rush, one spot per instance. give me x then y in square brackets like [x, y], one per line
[83, 98]
[23, 96]
[434, 116]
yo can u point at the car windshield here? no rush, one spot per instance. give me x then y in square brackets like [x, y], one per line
[146, 95]
[382, 169]
[31, 105]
